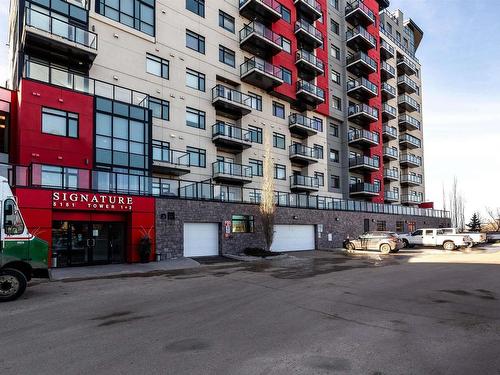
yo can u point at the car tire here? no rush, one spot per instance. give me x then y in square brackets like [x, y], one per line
[350, 246]
[395, 250]
[12, 284]
[449, 245]
[385, 248]
[406, 244]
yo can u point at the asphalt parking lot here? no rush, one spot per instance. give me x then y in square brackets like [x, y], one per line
[415, 312]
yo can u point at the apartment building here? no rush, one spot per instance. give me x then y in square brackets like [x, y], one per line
[136, 118]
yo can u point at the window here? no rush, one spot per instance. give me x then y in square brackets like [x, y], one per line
[319, 151]
[286, 75]
[257, 167]
[279, 172]
[12, 222]
[336, 103]
[226, 21]
[159, 108]
[286, 44]
[255, 134]
[227, 56]
[336, 77]
[389, 28]
[334, 130]
[285, 13]
[196, 6]
[381, 225]
[279, 140]
[400, 226]
[61, 177]
[157, 66]
[197, 156]
[398, 36]
[278, 110]
[334, 155]
[335, 180]
[242, 224]
[161, 151]
[321, 178]
[195, 41]
[195, 118]
[255, 101]
[335, 4]
[62, 123]
[334, 27]
[195, 80]
[335, 51]
[318, 123]
[139, 14]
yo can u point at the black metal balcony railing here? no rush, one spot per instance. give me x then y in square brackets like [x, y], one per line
[362, 108]
[359, 134]
[231, 169]
[310, 29]
[389, 88]
[359, 4]
[120, 183]
[226, 130]
[410, 139]
[54, 26]
[262, 66]
[409, 120]
[309, 152]
[411, 198]
[362, 82]
[311, 89]
[364, 187]
[391, 173]
[411, 178]
[391, 195]
[389, 151]
[364, 160]
[235, 96]
[306, 181]
[299, 119]
[410, 158]
[167, 155]
[363, 57]
[391, 131]
[260, 30]
[359, 30]
[310, 58]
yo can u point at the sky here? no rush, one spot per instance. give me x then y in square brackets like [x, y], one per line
[461, 93]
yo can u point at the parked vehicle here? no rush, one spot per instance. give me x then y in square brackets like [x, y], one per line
[493, 236]
[477, 237]
[385, 242]
[22, 255]
[436, 237]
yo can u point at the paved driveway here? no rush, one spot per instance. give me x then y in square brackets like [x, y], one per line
[312, 313]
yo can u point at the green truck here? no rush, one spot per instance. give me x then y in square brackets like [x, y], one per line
[22, 255]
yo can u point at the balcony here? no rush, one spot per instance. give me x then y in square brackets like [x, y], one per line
[409, 160]
[411, 179]
[406, 66]
[259, 40]
[410, 199]
[362, 114]
[388, 91]
[364, 163]
[364, 189]
[232, 103]
[302, 125]
[357, 13]
[168, 161]
[408, 123]
[363, 138]
[304, 183]
[223, 171]
[361, 89]
[360, 39]
[390, 153]
[309, 65]
[311, 94]
[309, 9]
[409, 141]
[260, 73]
[386, 50]
[407, 103]
[360, 64]
[308, 34]
[391, 174]
[389, 132]
[230, 138]
[46, 35]
[268, 10]
[388, 112]
[391, 196]
[387, 71]
[303, 155]
[406, 85]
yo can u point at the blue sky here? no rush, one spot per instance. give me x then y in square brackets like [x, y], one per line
[461, 90]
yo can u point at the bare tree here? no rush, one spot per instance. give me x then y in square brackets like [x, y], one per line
[457, 206]
[493, 223]
[267, 206]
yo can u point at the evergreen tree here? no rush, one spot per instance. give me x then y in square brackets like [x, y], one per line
[474, 223]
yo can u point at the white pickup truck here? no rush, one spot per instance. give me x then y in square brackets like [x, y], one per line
[476, 236]
[436, 237]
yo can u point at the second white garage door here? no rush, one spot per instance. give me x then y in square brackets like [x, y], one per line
[293, 238]
[201, 239]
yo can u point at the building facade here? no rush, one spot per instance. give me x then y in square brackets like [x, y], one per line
[119, 107]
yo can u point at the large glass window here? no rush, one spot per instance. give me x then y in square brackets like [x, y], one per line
[195, 41]
[257, 167]
[60, 123]
[60, 177]
[139, 14]
[242, 224]
[197, 156]
[255, 134]
[195, 118]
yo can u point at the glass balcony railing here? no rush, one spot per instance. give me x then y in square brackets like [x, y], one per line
[396, 42]
[410, 158]
[313, 4]
[364, 187]
[230, 131]
[406, 99]
[235, 96]
[231, 169]
[411, 178]
[361, 31]
[387, 46]
[409, 120]
[310, 88]
[310, 58]
[363, 134]
[389, 88]
[306, 181]
[261, 30]
[351, 6]
[299, 119]
[364, 161]
[404, 79]
[273, 4]
[167, 155]
[362, 108]
[301, 150]
[391, 195]
[389, 109]
[407, 138]
[361, 56]
[388, 68]
[310, 29]
[392, 152]
[406, 61]
[54, 26]
[390, 131]
[262, 66]
[362, 82]
[411, 198]
[391, 174]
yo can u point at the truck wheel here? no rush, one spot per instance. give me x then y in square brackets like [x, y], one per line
[406, 244]
[449, 245]
[12, 284]
[385, 248]
[350, 246]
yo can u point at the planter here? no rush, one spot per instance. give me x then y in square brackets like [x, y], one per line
[144, 250]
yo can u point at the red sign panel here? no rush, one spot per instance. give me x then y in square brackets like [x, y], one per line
[91, 201]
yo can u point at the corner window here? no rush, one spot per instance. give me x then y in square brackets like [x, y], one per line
[157, 66]
[242, 224]
[56, 122]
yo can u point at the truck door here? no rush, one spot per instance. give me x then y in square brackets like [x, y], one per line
[429, 238]
[417, 237]
[15, 244]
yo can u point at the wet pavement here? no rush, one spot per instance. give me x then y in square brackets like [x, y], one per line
[415, 312]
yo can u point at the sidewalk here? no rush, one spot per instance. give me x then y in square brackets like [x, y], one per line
[91, 272]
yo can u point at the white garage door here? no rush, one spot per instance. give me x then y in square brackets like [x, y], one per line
[201, 239]
[293, 238]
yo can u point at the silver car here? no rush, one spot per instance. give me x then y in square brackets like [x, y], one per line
[385, 242]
